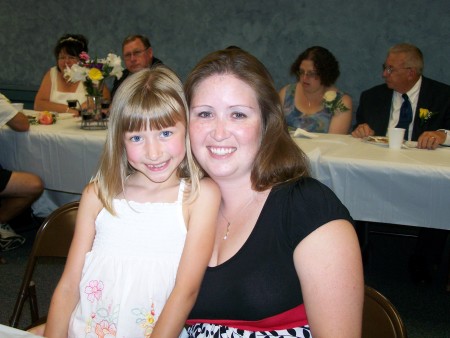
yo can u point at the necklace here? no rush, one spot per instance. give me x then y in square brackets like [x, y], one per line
[227, 232]
[307, 98]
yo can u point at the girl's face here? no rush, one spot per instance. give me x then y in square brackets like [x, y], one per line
[225, 126]
[156, 153]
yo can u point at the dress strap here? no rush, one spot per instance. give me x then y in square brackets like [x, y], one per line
[181, 191]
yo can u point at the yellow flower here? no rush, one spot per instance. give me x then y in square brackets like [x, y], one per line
[95, 74]
[423, 113]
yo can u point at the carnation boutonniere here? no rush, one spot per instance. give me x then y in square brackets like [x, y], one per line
[425, 115]
[333, 102]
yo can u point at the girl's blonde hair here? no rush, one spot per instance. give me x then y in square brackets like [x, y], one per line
[151, 98]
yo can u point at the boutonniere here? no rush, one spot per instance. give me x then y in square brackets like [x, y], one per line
[333, 102]
[425, 115]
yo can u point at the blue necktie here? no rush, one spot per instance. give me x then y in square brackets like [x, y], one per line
[405, 115]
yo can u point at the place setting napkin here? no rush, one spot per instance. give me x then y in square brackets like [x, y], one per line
[299, 132]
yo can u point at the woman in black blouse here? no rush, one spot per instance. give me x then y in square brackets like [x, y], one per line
[286, 259]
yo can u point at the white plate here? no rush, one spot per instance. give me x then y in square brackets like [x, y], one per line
[410, 144]
[378, 140]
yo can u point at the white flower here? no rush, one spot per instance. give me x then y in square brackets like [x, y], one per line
[75, 73]
[330, 96]
[116, 63]
[333, 103]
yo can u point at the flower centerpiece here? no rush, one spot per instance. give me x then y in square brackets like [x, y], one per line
[333, 102]
[93, 72]
[425, 115]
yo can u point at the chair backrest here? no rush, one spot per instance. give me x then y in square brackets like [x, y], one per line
[52, 240]
[380, 317]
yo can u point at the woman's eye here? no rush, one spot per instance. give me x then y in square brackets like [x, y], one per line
[238, 115]
[166, 133]
[204, 114]
[135, 138]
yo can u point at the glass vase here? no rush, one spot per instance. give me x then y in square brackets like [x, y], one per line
[94, 106]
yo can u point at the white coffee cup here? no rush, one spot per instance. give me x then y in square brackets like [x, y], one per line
[396, 137]
[18, 106]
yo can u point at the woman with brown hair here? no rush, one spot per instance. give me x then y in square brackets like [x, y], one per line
[286, 258]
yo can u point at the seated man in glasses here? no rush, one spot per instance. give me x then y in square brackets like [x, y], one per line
[137, 54]
[18, 190]
[407, 100]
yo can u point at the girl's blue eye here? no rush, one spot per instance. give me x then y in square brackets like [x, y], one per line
[135, 138]
[166, 133]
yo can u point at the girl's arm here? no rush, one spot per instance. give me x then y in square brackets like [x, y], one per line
[194, 260]
[328, 262]
[66, 294]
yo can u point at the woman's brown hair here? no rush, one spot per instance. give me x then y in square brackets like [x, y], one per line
[278, 159]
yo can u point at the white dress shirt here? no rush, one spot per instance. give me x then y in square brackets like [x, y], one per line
[397, 101]
[7, 111]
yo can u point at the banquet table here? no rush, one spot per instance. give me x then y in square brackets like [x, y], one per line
[377, 184]
[62, 154]
[409, 186]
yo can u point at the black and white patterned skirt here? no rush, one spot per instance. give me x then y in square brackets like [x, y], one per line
[219, 331]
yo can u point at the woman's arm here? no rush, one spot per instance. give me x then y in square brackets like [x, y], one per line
[328, 262]
[42, 99]
[341, 121]
[194, 260]
[66, 294]
[282, 94]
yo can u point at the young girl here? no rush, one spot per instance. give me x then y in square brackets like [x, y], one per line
[146, 223]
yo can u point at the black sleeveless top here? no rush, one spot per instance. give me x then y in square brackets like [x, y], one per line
[260, 280]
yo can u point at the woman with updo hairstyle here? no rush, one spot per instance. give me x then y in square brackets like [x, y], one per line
[55, 90]
[314, 103]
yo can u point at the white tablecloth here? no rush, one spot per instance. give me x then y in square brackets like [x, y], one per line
[62, 154]
[407, 186]
[9, 332]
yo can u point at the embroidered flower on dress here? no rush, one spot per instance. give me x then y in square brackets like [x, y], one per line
[105, 330]
[94, 290]
[333, 103]
[425, 115]
[146, 319]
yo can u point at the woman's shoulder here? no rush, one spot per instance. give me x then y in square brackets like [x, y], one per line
[306, 188]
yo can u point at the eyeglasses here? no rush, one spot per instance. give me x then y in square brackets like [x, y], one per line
[390, 69]
[136, 53]
[67, 58]
[309, 74]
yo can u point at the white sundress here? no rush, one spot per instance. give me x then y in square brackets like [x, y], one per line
[131, 270]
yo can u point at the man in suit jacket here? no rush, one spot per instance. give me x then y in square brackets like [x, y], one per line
[379, 107]
[137, 54]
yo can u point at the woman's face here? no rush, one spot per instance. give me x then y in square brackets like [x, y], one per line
[225, 126]
[308, 77]
[66, 60]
